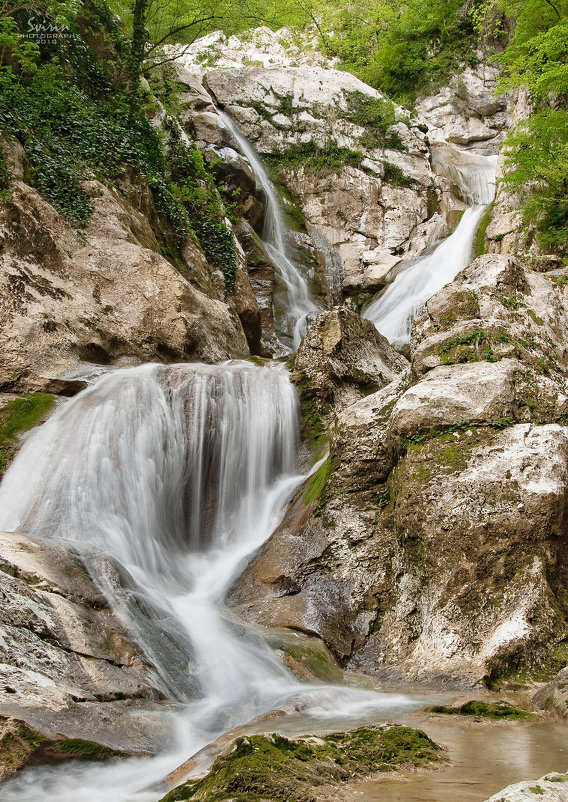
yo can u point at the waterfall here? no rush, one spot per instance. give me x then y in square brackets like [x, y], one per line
[300, 306]
[394, 311]
[179, 473]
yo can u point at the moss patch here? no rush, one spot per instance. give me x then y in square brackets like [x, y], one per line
[490, 710]
[17, 416]
[311, 652]
[318, 481]
[21, 745]
[462, 305]
[271, 767]
[480, 235]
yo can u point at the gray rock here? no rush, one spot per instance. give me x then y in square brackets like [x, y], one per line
[552, 787]
[67, 664]
[554, 696]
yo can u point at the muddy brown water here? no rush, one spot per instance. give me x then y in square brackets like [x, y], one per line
[484, 758]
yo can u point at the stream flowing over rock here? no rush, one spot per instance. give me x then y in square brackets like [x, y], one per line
[201, 517]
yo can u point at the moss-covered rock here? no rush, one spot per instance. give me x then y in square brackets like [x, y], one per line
[270, 768]
[478, 709]
[21, 745]
[17, 416]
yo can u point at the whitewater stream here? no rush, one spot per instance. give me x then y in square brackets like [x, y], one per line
[179, 473]
[395, 309]
[300, 307]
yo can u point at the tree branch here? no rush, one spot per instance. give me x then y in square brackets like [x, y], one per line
[179, 28]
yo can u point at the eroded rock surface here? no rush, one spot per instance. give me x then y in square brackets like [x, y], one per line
[67, 665]
[554, 696]
[433, 545]
[104, 295]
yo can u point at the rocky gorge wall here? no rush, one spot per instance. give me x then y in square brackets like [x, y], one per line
[431, 545]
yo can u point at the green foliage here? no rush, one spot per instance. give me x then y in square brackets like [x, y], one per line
[69, 136]
[18, 416]
[401, 49]
[537, 170]
[314, 159]
[394, 175]
[272, 767]
[75, 125]
[191, 202]
[536, 54]
[4, 178]
[377, 115]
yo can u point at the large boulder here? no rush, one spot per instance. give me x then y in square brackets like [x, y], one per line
[344, 358]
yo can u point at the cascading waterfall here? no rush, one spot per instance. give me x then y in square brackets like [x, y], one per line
[179, 473]
[300, 306]
[394, 311]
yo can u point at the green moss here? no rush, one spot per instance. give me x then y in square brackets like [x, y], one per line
[560, 281]
[290, 204]
[314, 431]
[480, 235]
[263, 767]
[538, 320]
[491, 710]
[462, 305]
[18, 416]
[478, 345]
[512, 302]
[79, 748]
[318, 481]
[394, 175]
[536, 789]
[311, 652]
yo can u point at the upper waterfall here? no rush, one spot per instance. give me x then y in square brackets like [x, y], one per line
[394, 311]
[300, 305]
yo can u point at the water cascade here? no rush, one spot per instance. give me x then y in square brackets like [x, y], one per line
[394, 311]
[179, 473]
[300, 307]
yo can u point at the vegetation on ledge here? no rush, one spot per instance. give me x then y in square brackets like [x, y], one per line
[18, 416]
[20, 745]
[263, 767]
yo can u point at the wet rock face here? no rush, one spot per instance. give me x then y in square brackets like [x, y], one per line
[109, 294]
[68, 667]
[441, 517]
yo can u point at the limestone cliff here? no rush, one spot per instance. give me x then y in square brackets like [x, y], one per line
[434, 548]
